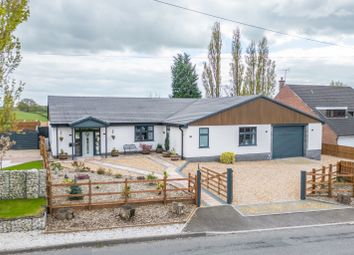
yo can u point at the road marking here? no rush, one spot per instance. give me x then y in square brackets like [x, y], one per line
[278, 228]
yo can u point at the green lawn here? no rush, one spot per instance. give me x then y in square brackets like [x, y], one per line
[27, 166]
[15, 208]
[29, 116]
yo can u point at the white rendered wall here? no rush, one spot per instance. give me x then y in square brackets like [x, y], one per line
[176, 140]
[225, 138]
[126, 135]
[65, 133]
[314, 136]
[346, 140]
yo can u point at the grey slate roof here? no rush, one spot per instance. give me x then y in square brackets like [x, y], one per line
[329, 96]
[118, 110]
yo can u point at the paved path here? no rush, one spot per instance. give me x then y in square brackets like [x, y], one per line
[226, 218]
[315, 241]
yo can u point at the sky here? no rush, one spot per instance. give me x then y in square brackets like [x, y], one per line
[126, 48]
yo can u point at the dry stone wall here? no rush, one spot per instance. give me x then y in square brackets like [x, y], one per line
[16, 184]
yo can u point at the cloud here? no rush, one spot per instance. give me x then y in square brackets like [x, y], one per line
[125, 48]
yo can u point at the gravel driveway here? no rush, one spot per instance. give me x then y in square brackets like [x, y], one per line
[266, 181]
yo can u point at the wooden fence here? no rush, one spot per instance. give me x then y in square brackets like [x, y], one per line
[330, 180]
[187, 193]
[338, 151]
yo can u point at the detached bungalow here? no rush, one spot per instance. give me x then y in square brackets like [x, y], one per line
[253, 127]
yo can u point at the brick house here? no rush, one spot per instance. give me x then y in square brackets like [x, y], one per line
[334, 105]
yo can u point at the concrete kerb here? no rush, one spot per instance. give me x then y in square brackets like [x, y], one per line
[106, 242]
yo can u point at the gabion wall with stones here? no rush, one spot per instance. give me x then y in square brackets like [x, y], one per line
[15, 184]
[23, 224]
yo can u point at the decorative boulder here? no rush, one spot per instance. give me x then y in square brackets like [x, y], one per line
[64, 214]
[178, 208]
[344, 198]
[127, 212]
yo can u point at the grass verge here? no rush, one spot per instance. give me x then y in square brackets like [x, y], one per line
[38, 164]
[16, 208]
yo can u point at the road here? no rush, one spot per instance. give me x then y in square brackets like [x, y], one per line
[337, 239]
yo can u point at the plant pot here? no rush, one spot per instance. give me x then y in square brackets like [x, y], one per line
[63, 156]
[145, 151]
[175, 157]
[159, 150]
[166, 154]
[114, 153]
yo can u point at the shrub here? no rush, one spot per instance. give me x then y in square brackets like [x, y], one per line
[118, 176]
[165, 174]
[109, 172]
[126, 190]
[151, 177]
[101, 170]
[75, 190]
[227, 158]
[56, 166]
[167, 142]
[159, 146]
[160, 186]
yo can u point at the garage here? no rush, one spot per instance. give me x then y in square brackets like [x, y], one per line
[288, 141]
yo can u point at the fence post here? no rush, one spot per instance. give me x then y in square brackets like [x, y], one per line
[90, 194]
[189, 182]
[207, 178]
[313, 181]
[230, 191]
[330, 181]
[303, 185]
[198, 188]
[323, 179]
[126, 192]
[164, 189]
[49, 194]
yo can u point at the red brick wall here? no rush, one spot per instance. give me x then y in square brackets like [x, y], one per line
[287, 96]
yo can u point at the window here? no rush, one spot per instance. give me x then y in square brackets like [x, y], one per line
[351, 113]
[144, 133]
[203, 137]
[248, 136]
[335, 113]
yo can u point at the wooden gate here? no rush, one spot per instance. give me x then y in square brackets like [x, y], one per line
[220, 184]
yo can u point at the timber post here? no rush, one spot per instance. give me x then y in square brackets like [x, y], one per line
[230, 186]
[303, 185]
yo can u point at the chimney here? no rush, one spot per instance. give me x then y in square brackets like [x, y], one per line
[281, 83]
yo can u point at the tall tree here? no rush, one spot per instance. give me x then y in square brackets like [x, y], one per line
[211, 76]
[251, 65]
[184, 78]
[336, 83]
[12, 14]
[236, 66]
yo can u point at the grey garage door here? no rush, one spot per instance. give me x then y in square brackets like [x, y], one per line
[288, 141]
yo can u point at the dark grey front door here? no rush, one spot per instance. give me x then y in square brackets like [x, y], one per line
[288, 141]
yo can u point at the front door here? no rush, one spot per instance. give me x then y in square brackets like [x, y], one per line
[87, 143]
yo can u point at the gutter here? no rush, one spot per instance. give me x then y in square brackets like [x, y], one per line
[182, 136]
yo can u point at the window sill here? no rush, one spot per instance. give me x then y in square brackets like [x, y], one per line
[247, 145]
[204, 147]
